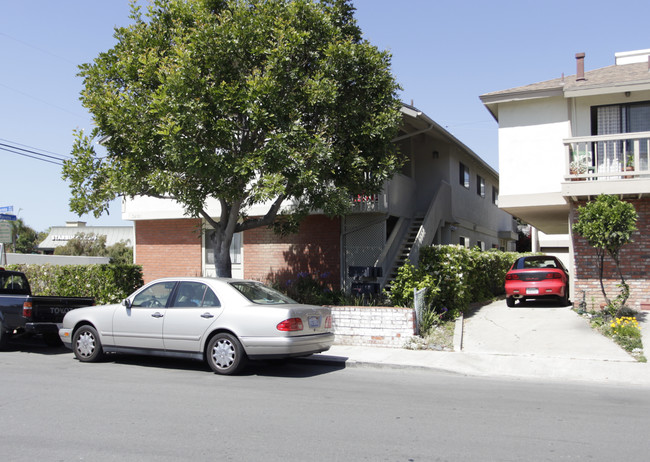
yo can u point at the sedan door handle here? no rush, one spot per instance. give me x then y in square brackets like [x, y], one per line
[207, 315]
[157, 315]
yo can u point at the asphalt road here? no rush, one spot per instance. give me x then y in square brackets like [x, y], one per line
[154, 409]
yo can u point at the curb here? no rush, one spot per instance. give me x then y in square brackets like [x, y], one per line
[458, 333]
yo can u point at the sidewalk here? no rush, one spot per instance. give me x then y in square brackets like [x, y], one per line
[532, 342]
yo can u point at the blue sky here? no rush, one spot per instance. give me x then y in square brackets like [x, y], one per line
[445, 54]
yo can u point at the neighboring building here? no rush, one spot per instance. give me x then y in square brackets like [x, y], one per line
[445, 194]
[564, 141]
[60, 235]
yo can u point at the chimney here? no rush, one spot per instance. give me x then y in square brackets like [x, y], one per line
[580, 63]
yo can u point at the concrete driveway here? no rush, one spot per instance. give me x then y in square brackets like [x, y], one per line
[540, 329]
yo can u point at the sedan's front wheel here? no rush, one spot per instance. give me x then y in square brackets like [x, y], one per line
[86, 344]
[225, 355]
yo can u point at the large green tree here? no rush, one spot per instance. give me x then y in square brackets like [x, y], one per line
[25, 239]
[607, 224]
[277, 102]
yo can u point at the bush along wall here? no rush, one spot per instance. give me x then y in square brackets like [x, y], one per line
[455, 277]
[106, 283]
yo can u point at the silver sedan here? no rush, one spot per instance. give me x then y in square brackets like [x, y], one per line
[222, 321]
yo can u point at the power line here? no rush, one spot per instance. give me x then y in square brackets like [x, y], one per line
[32, 154]
[32, 148]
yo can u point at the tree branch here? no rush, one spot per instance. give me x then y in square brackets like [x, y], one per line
[266, 219]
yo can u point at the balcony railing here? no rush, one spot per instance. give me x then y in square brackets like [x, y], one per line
[397, 198]
[608, 157]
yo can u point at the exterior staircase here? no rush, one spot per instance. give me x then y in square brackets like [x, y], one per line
[405, 249]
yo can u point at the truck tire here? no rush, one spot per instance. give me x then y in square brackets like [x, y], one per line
[3, 338]
[52, 340]
[86, 345]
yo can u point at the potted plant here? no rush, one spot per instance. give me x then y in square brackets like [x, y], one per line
[578, 167]
[629, 165]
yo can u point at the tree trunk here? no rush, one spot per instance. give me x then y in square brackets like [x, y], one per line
[222, 262]
[601, 267]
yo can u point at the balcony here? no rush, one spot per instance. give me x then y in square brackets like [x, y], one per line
[396, 198]
[607, 164]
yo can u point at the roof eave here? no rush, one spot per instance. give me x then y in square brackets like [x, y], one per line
[414, 113]
[592, 90]
[521, 95]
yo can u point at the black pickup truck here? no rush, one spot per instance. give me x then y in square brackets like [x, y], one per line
[21, 312]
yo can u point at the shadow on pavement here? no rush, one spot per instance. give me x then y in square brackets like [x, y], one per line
[287, 368]
[540, 303]
[33, 344]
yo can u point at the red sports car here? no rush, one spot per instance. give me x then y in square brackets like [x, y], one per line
[537, 277]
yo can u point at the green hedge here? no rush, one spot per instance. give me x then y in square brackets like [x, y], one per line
[455, 276]
[106, 283]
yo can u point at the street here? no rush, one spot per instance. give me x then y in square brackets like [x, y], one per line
[141, 408]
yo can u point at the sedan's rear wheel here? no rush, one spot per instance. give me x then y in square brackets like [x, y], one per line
[86, 344]
[510, 301]
[224, 354]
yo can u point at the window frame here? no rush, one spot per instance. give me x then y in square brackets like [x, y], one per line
[463, 175]
[480, 185]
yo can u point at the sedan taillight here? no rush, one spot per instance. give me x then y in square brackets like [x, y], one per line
[328, 322]
[510, 277]
[290, 325]
[553, 276]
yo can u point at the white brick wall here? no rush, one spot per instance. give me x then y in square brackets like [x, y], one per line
[373, 326]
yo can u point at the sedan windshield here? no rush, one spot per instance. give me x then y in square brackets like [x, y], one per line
[260, 294]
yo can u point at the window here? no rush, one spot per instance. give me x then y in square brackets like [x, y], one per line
[154, 296]
[495, 196]
[616, 119]
[620, 118]
[463, 176]
[464, 241]
[235, 248]
[480, 245]
[195, 294]
[480, 185]
[261, 294]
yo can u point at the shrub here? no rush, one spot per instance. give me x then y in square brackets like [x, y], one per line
[311, 289]
[455, 276]
[106, 283]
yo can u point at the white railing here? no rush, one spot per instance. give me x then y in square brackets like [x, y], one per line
[608, 157]
[439, 211]
[396, 197]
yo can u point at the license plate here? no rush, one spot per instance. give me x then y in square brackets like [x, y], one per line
[314, 321]
[532, 291]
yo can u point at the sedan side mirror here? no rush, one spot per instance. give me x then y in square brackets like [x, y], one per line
[126, 302]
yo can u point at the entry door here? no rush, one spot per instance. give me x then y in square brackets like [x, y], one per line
[194, 309]
[141, 325]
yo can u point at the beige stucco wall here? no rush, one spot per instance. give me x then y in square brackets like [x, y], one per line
[531, 152]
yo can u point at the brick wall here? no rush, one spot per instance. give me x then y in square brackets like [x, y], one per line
[168, 248]
[316, 248]
[635, 265]
[373, 326]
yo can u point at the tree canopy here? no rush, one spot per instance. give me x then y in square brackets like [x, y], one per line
[25, 239]
[93, 245]
[246, 101]
[607, 224]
